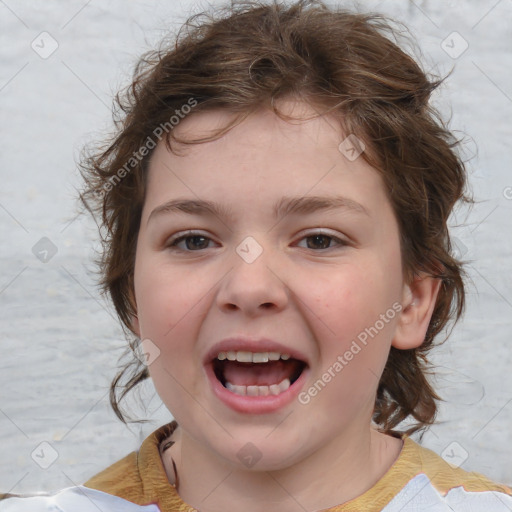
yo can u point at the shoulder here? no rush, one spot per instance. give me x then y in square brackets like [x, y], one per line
[71, 499]
[445, 476]
[140, 476]
[421, 480]
[122, 479]
[435, 483]
[136, 483]
[421, 493]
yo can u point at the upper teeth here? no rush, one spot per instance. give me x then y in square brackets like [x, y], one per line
[252, 357]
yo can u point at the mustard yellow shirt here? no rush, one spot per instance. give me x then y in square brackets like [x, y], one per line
[419, 480]
[141, 478]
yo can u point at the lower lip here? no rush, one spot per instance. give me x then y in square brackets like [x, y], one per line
[255, 404]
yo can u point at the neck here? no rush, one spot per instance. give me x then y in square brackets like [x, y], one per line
[320, 480]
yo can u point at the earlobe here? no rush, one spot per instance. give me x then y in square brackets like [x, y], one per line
[419, 300]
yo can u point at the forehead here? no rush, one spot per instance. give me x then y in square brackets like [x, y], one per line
[260, 128]
[263, 157]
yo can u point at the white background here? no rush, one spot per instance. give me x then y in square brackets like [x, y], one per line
[60, 341]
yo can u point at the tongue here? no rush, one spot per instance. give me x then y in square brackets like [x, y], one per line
[258, 374]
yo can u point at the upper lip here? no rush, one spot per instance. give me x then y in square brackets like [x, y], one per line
[252, 345]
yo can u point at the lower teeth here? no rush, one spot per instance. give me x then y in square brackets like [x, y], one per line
[273, 389]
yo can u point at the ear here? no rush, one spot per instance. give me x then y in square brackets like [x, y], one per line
[418, 302]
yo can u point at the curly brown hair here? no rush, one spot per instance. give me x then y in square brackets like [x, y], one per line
[349, 65]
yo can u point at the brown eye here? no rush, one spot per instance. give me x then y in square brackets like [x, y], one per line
[190, 243]
[196, 242]
[321, 241]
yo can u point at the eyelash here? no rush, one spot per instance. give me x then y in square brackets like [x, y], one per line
[173, 242]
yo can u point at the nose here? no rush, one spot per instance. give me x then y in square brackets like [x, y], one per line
[253, 287]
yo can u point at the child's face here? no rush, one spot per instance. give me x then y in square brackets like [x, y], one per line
[311, 294]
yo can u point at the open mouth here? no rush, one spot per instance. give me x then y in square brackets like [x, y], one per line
[257, 373]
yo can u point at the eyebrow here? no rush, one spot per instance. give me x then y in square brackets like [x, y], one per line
[286, 206]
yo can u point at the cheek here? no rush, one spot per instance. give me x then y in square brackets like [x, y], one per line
[352, 339]
[169, 309]
[347, 307]
[343, 297]
[165, 298]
